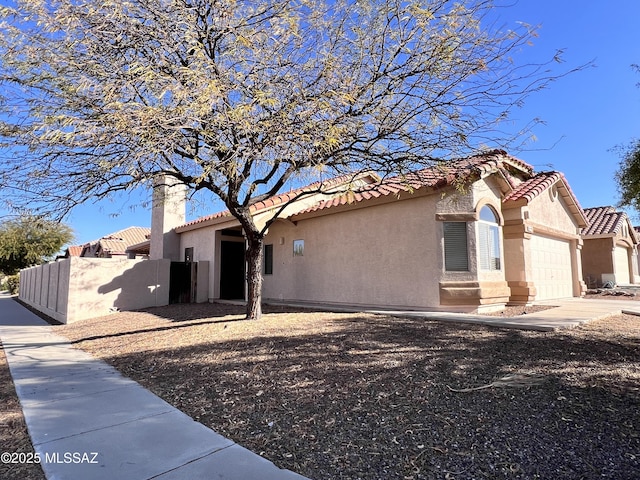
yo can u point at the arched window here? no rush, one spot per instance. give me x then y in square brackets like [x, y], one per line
[488, 239]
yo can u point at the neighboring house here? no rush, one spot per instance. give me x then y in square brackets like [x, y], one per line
[139, 250]
[72, 251]
[473, 234]
[118, 244]
[97, 278]
[610, 248]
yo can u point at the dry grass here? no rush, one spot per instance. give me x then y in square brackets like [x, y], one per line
[14, 437]
[346, 396]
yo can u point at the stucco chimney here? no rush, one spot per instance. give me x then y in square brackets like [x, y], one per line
[168, 211]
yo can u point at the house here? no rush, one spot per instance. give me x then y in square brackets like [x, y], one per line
[117, 244]
[72, 251]
[610, 251]
[468, 235]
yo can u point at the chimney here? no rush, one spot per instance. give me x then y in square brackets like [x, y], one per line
[167, 212]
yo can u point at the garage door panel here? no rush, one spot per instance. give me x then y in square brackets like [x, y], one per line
[551, 267]
[622, 265]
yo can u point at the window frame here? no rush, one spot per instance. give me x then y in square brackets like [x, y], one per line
[489, 240]
[298, 248]
[455, 237]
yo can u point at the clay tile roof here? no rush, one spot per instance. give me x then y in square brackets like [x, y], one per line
[75, 250]
[438, 176]
[118, 242]
[604, 221]
[206, 218]
[533, 187]
[277, 199]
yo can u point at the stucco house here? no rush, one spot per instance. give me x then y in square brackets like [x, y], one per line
[114, 245]
[610, 251]
[473, 234]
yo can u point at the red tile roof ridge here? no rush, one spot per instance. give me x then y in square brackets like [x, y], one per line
[534, 186]
[441, 174]
[288, 196]
[604, 220]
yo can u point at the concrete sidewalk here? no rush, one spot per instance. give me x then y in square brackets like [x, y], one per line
[567, 313]
[87, 421]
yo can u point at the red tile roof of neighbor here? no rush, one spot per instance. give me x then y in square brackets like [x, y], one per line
[605, 221]
[75, 250]
[118, 242]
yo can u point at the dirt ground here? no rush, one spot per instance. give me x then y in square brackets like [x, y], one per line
[347, 396]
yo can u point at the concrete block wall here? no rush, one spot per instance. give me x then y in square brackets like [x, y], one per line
[78, 288]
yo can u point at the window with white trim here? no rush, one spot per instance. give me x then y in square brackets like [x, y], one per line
[489, 240]
[456, 253]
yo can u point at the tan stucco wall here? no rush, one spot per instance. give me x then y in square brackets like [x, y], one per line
[46, 288]
[552, 214]
[597, 259]
[541, 216]
[78, 288]
[477, 288]
[390, 254]
[204, 250]
[384, 255]
[167, 212]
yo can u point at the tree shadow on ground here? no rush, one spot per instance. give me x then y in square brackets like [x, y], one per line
[371, 397]
[181, 312]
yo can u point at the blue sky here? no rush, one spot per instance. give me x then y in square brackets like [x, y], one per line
[590, 112]
[586, 114]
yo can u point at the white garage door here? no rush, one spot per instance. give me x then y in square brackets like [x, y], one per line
[622, 265]
[552, 272]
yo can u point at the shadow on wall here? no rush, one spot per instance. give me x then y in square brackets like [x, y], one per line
[145, 284]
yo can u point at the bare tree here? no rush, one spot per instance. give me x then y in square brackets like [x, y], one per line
[244, 97]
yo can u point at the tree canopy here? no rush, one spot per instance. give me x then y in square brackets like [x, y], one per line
[628, 173]
[628, 176]
[29, 241]
[242, 98]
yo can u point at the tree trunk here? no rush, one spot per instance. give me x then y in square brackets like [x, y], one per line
[255, 245]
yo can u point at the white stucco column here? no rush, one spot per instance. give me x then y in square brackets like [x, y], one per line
[168, 211]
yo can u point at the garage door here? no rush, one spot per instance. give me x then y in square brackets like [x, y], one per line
[552, 272]
[622, 265]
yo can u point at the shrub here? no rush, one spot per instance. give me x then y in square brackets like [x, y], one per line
[12, 283]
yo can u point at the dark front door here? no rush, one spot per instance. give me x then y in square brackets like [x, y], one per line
[232, 271]
[180, 284]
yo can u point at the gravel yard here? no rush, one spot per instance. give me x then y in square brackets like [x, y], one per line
[346, 396]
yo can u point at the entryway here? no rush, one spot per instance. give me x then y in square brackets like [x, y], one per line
[232, 267]
[182, 282]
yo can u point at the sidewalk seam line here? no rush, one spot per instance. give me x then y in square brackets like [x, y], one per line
[157, 414]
